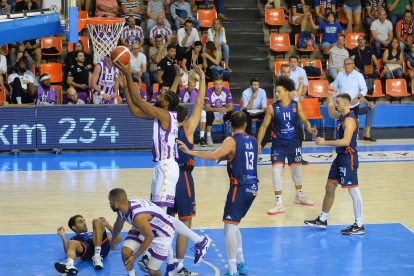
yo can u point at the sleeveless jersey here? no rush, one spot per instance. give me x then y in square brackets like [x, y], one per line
[242, 168]
[106, 79]
[88, 236]
[285, 120]
[341, 131]
[161, 223]
[164, 142]
[185, 161]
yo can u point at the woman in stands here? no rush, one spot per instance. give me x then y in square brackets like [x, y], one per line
[392, 57]
[70, 58]
[217, 34]
[299, 9]
[190, 57]
[211, 62]
[410, 63]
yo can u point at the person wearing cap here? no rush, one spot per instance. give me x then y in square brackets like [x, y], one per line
[44, 94]
[79, 75]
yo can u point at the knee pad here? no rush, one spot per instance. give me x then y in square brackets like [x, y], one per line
[297, 174]
[203, 118]
[277, 177]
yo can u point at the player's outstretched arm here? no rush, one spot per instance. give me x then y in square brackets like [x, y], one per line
[119, 224]
[266, 121]
[110, 228]
[194, 119]
[62, 233]
[305, 121]
[227, 147]
[349, 126]
[331, 105]
[177, 78]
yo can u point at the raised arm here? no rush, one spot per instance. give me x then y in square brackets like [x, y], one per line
[226, 148]
[349, 126]
[331, 105]
[192, 122]
[266, 121]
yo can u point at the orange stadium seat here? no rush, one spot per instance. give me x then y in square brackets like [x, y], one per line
[32, 69]
[6, 49]
[269, 102]
[85, 41]
[155, 87]
[351, 40]
[58, 88]
[312, 111]
[54, 70]
[396, 88]
[275, 17]
[316, 63]
[278, 65]
[206, 17]
[342, 16]
[203, 39]
[379, 65]
[377, 91]
[2, 94]
[306, 50]
[143, 87]
[280, 43]
[225, 85]
[318, 88]
[48, 42]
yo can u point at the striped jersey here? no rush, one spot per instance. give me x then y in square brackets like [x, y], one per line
[106, 82]
[161, 223]
[341, 131]
[285, 120]
[185, 161]
[164, 142]
[132, 36]
[164, 32]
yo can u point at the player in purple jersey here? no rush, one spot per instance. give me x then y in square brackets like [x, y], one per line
[104, 83]
[345, 166]
[284, 115]
[241, 151]
[163, 87]
[86, 245]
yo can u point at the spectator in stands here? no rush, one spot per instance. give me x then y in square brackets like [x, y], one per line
[296, 73]
[330, 30]
[79, 75]
[21, 85]
[190, 57]
[297, 94]
[3, 68]
[83, 5]
[217, 34]
[254, 98]
[181, 13]
[211, 62]
[337, 57]
[351, 82]
[219, 107]
[139, 66]
[410, 62]
[299, 9]
[32, 47]
[396, 10]
[393, 59]
[54, 5]
[373, 11]
[4, 7]
[160, 29]
[106, 8]
[142, 93]
[166, 70]
[132, 34]
[192, 3]
[74, 97]
[164, 87]
[26, 5]
[186, 36]
[156, 54]
[364, 55]
[322, 10]
[44, 94]
[12, 4]
[405, 32]
[154, 9]
[23, 56]
[353, 8]
[70, 58]
[381, 32]
[131, 8]
[105, 85]
[368, 109]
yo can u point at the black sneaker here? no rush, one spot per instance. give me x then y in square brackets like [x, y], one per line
[354, 229]
[142, 264]
[66, 268]
[304, 162]
[185, 272]
[317, 223]
[203, 142]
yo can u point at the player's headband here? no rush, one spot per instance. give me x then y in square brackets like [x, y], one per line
[45, 77]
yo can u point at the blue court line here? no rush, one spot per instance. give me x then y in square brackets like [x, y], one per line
[385, 249]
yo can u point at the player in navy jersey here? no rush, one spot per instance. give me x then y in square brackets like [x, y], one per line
[241, 151]
[85, 245]
[345, 166]
[284, 115]
[184, 204]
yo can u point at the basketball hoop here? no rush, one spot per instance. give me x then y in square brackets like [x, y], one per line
[104, 32]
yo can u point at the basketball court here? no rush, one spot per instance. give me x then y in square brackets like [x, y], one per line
[41, 191]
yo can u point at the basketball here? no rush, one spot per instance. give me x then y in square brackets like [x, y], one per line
[122, 54]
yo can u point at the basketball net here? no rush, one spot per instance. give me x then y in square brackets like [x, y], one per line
[105, 37]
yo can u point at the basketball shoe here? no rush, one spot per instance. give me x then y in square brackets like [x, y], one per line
[203, 142]
[97, 262]
[66, 268]
[201, 249]
[210, 141]
[142, 264]
[317, 223]
[242, 268]
[303, 200]
[354, 229]
[185, 272]
[173, 268]
[228, 274]
[277, 208]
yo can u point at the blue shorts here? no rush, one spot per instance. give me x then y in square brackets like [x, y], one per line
[324, 44]
[238, 202]
[344, 170]
[289, 148]
[89, 248]
[352, 9]
[184, 203]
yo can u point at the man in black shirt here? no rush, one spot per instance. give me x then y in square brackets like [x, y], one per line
[364, 55]
[166, 70]
[26, 5]
[79, 75]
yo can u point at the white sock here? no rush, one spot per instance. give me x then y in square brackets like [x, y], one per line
[240, 255]
[181, 260]
[279, 199]
[299, 193]
[359, 221]
[232, 265]
[70, 261]
[182, 229]
[19, 100]
[97, 251]
[131, 272]
[202, 133]
[323, 216]
[208, 134]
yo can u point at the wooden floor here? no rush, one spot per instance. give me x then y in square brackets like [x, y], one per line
[39, 202]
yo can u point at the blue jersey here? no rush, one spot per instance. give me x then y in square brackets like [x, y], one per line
[242, 168]
[87, 237]
[285, 121]
[341, 131]
[185, 161]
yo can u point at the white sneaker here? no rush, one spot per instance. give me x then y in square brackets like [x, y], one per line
[210, 142]
[97, 262]
[66, 268]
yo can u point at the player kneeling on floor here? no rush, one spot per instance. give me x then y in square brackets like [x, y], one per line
[85, 245]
